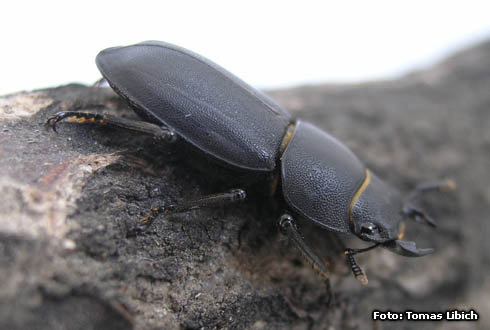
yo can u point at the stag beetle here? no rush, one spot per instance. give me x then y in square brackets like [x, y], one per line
[181, 94]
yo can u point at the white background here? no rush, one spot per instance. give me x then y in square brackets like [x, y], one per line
[266, 43]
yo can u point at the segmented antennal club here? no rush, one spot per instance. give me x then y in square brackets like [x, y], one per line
[356, 269]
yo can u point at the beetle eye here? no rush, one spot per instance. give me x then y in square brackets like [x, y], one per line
[368, 228]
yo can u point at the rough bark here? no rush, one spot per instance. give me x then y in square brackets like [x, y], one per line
[68, 200]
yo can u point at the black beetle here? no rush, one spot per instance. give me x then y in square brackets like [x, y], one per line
[180, 93]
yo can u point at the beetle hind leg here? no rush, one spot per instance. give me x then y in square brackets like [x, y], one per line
[80, 117]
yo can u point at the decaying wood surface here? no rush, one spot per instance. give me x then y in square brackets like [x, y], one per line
[68, 200]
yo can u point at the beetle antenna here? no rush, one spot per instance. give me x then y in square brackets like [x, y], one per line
[357, 251]
[356, 269]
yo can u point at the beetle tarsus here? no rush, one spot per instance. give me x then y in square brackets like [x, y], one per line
[80, 117]
[76, 117]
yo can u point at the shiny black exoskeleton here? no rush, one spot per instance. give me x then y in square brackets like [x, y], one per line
[192, 98]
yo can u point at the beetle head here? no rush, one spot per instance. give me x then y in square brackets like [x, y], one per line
[377, 230]
[385, 235]
[376, 216]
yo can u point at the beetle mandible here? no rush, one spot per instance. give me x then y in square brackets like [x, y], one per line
[181, 94]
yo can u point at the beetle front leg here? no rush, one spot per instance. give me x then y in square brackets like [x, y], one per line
[441, 185]
[288, 228]
[80, 117]
[416, 213]
[231, 196]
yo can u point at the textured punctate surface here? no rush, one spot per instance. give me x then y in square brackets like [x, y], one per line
[208, 106]
[320, 176]
[379, 204]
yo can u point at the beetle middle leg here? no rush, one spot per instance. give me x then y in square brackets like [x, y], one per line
[80, 117]
[214, 200]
